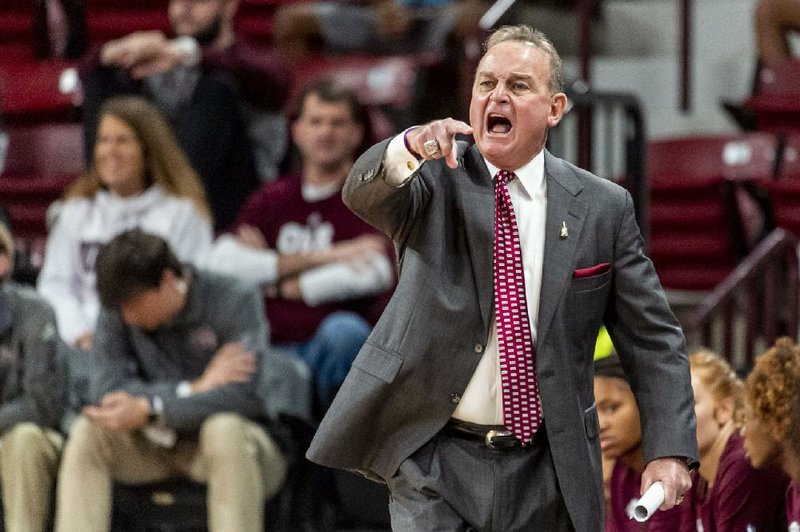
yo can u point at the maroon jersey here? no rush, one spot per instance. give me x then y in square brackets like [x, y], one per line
[793, 507]
[290, 225]
[625, 491]
[742, 498]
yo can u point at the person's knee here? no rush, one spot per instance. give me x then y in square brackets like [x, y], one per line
[296, 30]
[87, 440]
[782, 14]
[25, 442]
[344, 326]
[291, 20]
[764, 11]
[223, 435]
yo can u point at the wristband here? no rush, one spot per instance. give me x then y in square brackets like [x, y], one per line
[405, 142]
[156, 409]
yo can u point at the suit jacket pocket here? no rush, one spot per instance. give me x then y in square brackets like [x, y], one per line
[585, 284]
[378, 362]
[590, 421]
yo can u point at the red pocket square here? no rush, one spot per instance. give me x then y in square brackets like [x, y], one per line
[603, 267]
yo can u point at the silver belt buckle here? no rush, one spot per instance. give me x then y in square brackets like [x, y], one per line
[492, 434]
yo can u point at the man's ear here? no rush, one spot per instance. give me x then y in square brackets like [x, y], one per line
[558, 104]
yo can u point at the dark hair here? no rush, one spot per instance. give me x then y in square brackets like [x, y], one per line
[133, 262]
[610, 366]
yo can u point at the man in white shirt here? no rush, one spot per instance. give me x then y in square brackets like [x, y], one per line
[325, 272]
[428, 407]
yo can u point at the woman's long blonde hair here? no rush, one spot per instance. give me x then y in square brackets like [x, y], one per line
[164, 161]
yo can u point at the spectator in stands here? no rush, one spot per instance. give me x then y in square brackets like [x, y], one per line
[173, 391]
[139, 178]
[621, 441]
[435, 30]
[728, 493]
[224, 97]
[774, 21]
[561, 21]
[772, 427]
[324, 270]
[378, 26]
[31, 400]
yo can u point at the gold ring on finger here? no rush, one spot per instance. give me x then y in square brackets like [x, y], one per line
[431, 146]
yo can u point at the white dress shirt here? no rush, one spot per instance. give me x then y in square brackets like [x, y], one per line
[482, 401]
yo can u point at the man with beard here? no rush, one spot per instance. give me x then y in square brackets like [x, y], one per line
[223, 97]
[324, 271]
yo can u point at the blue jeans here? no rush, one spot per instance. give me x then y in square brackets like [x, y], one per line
[331, 351]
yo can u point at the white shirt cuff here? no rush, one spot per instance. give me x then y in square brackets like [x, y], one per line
[184, 389]
[189, 49]
[258, 266]
[340, 281]
[400, 163]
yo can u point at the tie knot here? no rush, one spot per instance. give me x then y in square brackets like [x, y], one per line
[504, 177]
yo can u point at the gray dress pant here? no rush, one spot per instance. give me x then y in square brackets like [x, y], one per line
[456, 484]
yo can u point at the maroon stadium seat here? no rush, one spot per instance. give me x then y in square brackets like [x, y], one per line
[693, 216]
[776, 99]
[784, 190]
[42, 160]
[29, 92]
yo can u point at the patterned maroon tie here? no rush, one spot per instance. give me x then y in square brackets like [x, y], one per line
[522, 408]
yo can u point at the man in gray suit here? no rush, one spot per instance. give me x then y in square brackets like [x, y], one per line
[175, 390]
[425, 406]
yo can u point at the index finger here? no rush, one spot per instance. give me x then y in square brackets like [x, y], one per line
[448, 146]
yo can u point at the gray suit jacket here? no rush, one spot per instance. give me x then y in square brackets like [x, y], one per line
[409, 376]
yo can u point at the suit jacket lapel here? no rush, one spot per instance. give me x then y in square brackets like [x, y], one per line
[563, 208]
[478, 204]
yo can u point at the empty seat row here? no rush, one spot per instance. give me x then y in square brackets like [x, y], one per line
[775, 103]
[712, 196]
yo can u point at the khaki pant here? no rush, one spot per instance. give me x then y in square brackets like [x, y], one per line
[235, 457]
[28, 464]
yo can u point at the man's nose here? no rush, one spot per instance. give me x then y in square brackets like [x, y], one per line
[499, 93]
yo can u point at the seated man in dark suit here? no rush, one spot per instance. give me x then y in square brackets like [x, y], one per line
[173, 391]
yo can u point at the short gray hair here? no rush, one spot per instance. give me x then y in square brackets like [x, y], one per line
[524, 33]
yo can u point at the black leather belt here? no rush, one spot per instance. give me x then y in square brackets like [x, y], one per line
[492, 436]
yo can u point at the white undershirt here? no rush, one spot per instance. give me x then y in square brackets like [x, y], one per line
[482, 401]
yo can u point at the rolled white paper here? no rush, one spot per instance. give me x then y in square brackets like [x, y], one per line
[649, 503]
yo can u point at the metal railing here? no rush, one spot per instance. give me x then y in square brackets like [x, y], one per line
[604, 132]
[754, 305]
